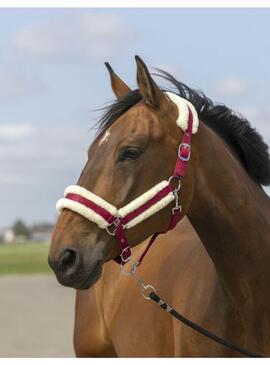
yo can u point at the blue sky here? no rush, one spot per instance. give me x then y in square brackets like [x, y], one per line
[52, 78]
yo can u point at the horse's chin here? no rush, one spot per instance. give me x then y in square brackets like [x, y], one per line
[92, 278]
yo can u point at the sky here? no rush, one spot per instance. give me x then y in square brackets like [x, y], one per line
[53, 80]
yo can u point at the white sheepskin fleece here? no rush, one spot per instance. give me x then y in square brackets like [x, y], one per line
[76, 189]
[183, 112]
[150, 211]
[136, 203]
[82, 210]
[100, 221]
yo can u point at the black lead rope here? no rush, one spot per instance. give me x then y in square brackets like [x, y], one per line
[154, 297]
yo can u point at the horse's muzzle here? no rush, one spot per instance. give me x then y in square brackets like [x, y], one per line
[71, 271]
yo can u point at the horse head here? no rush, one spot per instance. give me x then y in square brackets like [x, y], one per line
[135, 150]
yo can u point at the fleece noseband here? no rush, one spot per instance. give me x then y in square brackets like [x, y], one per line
[116, 221]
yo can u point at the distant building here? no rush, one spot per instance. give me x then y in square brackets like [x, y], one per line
[41, 232]
[9, 236]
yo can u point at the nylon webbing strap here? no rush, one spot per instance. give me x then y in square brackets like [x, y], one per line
[184, 149]
[174, 220]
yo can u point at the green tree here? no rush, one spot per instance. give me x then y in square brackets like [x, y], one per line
[20, 229]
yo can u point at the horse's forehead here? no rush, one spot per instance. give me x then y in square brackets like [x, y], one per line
[139, 119]
[141, 113]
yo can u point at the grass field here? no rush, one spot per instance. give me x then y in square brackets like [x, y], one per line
[24, 258]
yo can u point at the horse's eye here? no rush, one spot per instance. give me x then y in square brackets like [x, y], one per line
[129, 153]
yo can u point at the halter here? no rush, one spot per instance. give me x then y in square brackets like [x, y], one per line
[116, 221]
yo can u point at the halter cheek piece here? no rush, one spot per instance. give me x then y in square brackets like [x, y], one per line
[106, 216]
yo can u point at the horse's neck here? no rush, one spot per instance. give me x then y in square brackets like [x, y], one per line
[230, 213]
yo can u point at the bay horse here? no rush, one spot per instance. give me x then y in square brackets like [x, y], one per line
[219, 276]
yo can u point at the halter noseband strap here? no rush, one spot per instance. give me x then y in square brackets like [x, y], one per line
[106, 216]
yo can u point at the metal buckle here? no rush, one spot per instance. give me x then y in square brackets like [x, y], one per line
[113, 224]
[111, 233]
[176, 209]
[122, 255]
[178, 187]
[177, 206]
[133, 268]
[145, 288]
[185, 145]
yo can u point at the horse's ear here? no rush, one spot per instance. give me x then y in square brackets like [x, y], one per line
[119, 87]
[149, 90]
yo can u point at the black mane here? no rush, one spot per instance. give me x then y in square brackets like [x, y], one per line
[235, 130]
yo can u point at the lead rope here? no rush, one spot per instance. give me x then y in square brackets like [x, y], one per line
[147, 288]
[155, 298]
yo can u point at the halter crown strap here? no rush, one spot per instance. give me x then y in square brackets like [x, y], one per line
[184, 149]
[105, 215]
[184, 108]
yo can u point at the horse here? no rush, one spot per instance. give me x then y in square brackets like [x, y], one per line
[218, 276]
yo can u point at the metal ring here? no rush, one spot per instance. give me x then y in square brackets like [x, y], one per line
[147, 287]
[133, 267]
[111, 233]
[178, 181]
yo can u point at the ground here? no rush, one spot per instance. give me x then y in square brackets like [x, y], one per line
[36, 313]
[36, 317]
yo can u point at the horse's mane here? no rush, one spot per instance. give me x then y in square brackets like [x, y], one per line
[245, 141]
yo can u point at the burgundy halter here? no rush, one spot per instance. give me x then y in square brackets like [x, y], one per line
[106, 215]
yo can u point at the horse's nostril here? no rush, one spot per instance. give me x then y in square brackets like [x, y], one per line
[68, 260]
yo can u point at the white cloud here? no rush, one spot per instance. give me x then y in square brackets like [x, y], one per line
[83, 36]
[232, 86]
[37, 163]
[15, 132]
[40, 150]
